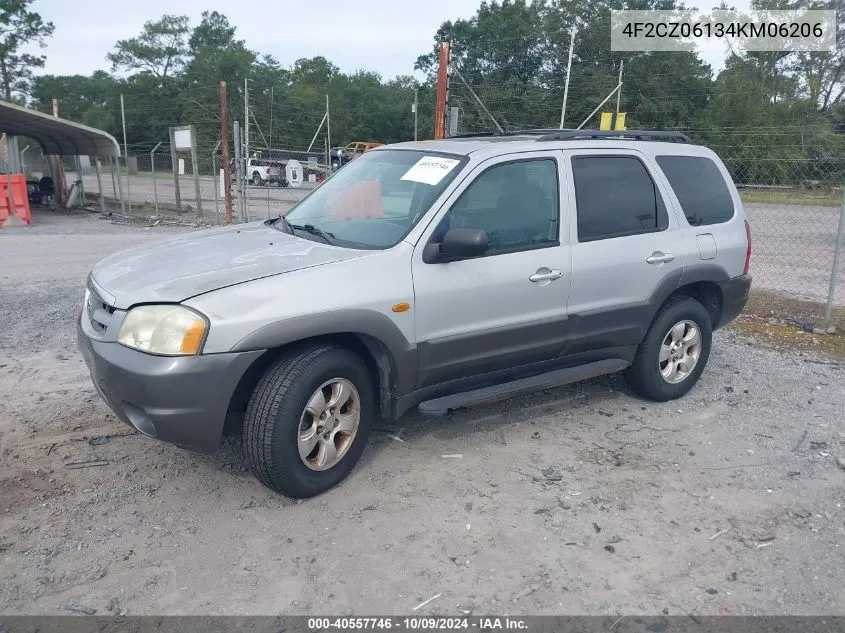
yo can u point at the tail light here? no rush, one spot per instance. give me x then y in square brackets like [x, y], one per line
[748, 248]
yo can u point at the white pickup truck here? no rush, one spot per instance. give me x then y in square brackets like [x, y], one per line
[261, 171]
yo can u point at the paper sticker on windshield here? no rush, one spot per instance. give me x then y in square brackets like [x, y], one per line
[430, 169]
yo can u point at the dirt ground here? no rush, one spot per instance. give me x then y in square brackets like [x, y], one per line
[582, 499]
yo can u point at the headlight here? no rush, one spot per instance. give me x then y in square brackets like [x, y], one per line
[169, 330]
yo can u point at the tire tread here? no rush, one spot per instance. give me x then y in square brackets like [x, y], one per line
[264, 404]
[642, 375]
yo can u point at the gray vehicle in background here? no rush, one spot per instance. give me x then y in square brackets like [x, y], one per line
[435, 275]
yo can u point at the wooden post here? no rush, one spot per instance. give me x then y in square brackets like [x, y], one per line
[224, 137]
[440, 105]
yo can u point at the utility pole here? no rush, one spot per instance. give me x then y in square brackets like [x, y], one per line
[328, 124]
[239, 170]
[568, 72]
[224, 137]
[416, 107]
[619, 94]
[442, 97]
[245, 161]
[126, 154]
[246, 119]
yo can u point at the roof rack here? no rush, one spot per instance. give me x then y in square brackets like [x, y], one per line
[637, 135]
[489, 133]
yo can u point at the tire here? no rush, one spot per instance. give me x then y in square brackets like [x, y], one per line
[276, 415]
[335, 165]
[256, 179]
[652, 377]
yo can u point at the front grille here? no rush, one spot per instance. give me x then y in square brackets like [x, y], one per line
[99, 312]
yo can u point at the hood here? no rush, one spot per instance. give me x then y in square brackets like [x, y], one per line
[202, 261]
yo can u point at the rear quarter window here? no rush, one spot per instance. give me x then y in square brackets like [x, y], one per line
[700, 188]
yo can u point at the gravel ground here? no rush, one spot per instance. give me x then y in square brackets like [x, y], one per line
[581, 499]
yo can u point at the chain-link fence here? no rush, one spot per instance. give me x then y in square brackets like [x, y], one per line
[793, 199]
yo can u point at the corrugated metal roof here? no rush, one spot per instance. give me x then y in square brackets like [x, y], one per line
[56, 135]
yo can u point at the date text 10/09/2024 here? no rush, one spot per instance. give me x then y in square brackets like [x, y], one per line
[418, 624]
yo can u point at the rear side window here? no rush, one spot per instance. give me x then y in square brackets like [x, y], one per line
[615, 197]
[700, 187]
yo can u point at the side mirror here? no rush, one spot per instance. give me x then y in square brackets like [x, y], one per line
[457, 244]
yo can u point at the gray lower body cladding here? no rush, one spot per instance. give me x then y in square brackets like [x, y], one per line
[182, 400]
[734, 297]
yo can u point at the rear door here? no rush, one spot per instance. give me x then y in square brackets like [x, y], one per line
[627, 247]
[715, 226]
[507, 308]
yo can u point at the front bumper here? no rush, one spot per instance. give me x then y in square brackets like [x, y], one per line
[734, 298]
[182, 400]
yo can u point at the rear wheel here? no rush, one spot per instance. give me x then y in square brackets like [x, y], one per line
[308, 420]
[674, 352]
[256, 179]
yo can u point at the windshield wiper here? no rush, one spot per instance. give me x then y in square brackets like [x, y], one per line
[327, 237]
[287, 227]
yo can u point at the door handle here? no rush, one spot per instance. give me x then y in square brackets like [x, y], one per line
[658, 257]
[545, 274]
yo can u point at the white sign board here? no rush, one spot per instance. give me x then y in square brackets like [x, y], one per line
[182, 138]
[293, 173]
[430, 170]
[181, 166]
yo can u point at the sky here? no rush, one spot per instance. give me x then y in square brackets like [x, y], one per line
[385, 36]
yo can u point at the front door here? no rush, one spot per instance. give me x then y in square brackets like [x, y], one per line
[506, 308]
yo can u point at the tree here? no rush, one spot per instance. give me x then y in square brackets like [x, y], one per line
[20, 27]
[159, 51]
[214, 54]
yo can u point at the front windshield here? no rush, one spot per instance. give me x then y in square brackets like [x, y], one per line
[375, 200]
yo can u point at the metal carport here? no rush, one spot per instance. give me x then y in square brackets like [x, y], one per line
[59, 137]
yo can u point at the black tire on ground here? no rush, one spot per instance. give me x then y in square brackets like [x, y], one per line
[644, 374]
[256, 179]
[275, 409]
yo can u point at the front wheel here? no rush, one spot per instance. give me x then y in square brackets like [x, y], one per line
[308, 420]
[674, 352]
[256, 179]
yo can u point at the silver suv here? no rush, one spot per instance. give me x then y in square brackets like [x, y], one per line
[437, 274]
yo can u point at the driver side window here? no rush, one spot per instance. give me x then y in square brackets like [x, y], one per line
[516, 204]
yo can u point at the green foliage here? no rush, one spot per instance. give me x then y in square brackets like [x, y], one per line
[19, 27]
[159, 50]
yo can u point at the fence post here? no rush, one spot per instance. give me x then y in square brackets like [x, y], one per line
[100, 183]
[125, 156]
[77, 163]
[153, 169]
[113, 182]
[216, 183]
[196, 170]
[174, 158]
[834, 269]
[120, 185]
